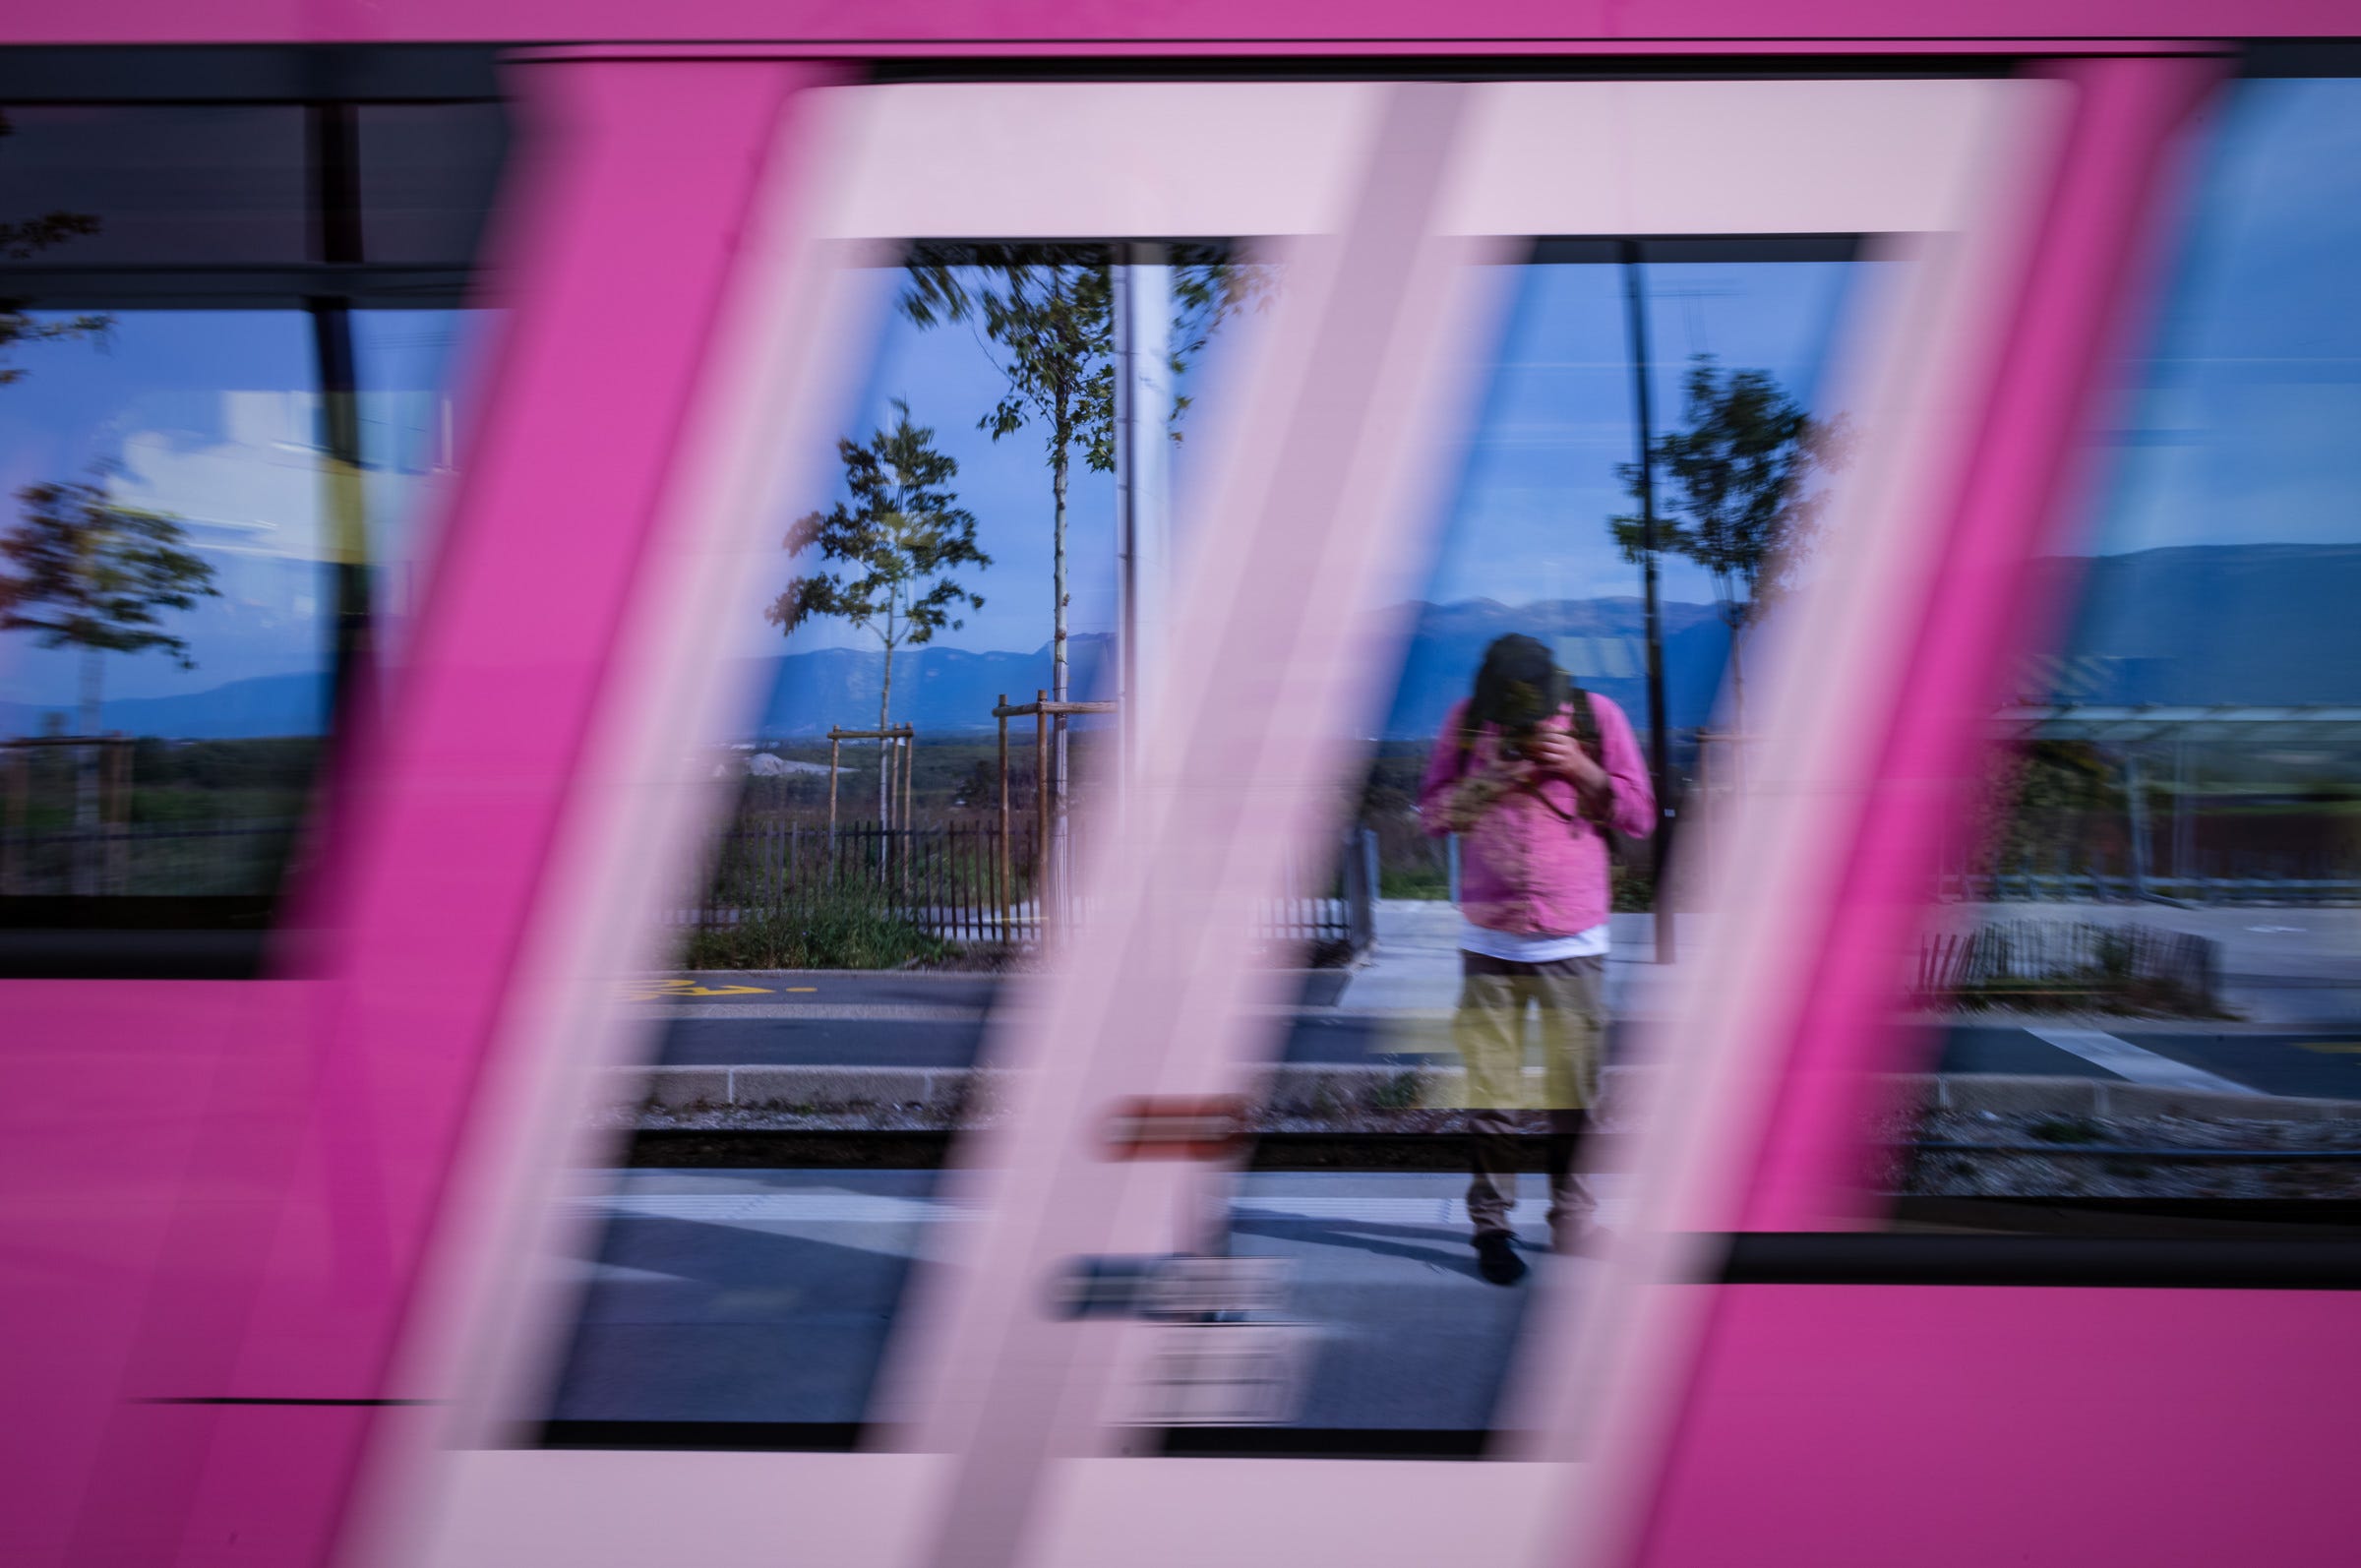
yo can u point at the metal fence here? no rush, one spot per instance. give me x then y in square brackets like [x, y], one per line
[2057, 962]
[2257, 884]
[151, 860]
[964, 881]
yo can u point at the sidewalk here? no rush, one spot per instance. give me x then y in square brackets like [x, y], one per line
[1412, 969]
[2281, 968]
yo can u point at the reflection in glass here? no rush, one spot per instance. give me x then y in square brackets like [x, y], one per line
[937, 672]
[1506, 818]
[206, 429]
[214, 443]
[2151, 947]
[425, 176]
[163, 184]
[865, 897]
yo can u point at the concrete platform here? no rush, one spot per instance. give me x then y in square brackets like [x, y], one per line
[767, 1295]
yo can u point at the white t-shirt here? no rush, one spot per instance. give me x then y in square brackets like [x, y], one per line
[1538, 948]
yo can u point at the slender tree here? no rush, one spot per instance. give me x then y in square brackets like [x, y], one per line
[1051, 324]
[95, 574]
[21, 240]
[1733, 483]
[1046, 317]
[899, 536]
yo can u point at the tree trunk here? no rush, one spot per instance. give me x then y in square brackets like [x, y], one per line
[885, 707]
[86, 780]
[1059, 856]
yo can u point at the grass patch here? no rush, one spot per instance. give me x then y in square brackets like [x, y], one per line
[2065, 1129]
[1414, 882]
[846, 928]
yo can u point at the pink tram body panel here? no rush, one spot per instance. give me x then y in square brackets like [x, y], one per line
[248, 1223]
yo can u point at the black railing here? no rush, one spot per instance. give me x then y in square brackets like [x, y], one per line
[153, 860]
[962, 881]
[2057, 962]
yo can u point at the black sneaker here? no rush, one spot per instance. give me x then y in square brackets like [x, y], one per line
[1496, 1259]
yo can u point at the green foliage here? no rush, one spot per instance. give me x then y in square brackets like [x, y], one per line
[1053, 324]
[1731, 492]
[901, 535]
[980, 786]
[2066, 1129]
[1415, 880]
[849, 926]
[282, 764]
[1631, 886]
[2035, 802]
[1046, 319]
[94, 574]
[21, 241]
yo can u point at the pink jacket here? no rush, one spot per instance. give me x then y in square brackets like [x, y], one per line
[1522, 868]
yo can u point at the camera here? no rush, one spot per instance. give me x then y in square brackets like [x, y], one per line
[1518, 690]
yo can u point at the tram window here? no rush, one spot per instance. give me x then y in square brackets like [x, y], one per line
[1473, 992]
[205, 392]
[426, 174]
[884, 869]
[158, 185]
[2146, 967]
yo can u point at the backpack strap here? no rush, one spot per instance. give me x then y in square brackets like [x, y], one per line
[1586, 723]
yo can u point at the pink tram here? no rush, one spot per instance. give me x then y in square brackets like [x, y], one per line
[470, 1103]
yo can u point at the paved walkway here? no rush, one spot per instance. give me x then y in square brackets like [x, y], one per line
[2281, 968]
[768, 1295]
[1414, 968]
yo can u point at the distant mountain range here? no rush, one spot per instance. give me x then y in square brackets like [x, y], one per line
[948, 689]
[1600, 642]
[938, 690]
[2263, 625]
[266, 704]
[2255, 624]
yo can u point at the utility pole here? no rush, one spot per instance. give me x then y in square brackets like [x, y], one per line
[1659, 753]
[1144, 413]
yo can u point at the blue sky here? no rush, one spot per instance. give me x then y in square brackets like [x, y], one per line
[2242, 415]
[2241, 421]
[209, 416]
[1528, 520]
[1538, 483]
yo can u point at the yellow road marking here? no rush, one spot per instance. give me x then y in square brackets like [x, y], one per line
[801, 988]
[683, 986]
[2333, 1048]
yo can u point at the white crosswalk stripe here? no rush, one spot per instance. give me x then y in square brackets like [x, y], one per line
[858, 1208]
[2140, 1065]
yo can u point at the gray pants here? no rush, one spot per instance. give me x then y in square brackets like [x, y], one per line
[1568, 998]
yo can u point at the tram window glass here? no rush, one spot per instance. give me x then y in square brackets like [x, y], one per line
[186, 388]
[1484, 1012]
[2154, 921]
[869, 903]
[158, 185]
[425, 176]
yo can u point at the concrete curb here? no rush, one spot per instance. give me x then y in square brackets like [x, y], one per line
[948, 1093]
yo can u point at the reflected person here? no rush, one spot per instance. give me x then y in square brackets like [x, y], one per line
[1533, 773]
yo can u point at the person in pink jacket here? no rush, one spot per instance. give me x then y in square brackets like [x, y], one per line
[1532, 774]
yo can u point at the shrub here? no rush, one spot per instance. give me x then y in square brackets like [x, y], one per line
[850, 926]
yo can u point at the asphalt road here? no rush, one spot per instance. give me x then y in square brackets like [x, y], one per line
[934, 1021]
[767, 1295]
